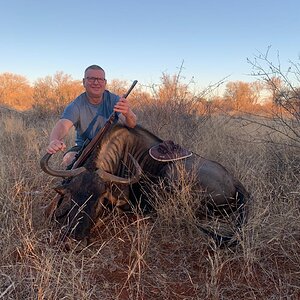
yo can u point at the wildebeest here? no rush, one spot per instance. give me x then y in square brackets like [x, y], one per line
[122, 157]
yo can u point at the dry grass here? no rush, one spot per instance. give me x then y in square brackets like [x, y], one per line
[166, 257]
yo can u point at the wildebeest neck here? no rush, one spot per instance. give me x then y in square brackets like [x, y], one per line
[119, 142]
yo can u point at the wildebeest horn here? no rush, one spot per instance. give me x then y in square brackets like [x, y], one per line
[58, 173]
[105, 176]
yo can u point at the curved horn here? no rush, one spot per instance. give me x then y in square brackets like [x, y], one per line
[105, 176]
[58, 173]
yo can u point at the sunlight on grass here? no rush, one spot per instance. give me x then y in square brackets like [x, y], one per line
[164, 256]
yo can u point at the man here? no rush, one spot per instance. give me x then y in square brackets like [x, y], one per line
[88, 113]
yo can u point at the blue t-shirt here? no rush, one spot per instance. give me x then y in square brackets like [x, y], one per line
[81, 113]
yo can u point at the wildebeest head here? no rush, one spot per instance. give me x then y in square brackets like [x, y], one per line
[84, 193]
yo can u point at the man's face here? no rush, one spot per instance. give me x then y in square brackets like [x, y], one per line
[94, 82]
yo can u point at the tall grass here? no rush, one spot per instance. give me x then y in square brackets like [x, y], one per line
[145, 257]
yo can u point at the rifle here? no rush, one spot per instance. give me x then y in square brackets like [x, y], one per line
[89, 146]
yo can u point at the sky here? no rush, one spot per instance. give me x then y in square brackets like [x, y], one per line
[142, 40]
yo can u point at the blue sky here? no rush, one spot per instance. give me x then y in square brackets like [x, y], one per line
[142, 39]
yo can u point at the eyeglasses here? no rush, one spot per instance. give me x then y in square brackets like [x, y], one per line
[94, 79]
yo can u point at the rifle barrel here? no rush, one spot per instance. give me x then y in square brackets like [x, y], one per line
[131, 88]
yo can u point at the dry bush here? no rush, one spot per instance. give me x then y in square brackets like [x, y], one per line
[15, 91]
[282, 85]
[53, 93]
[153, 257]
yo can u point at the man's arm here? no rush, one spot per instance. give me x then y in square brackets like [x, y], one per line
[59, 131]
[130, 119]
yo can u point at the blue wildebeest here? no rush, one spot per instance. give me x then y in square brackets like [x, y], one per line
[124, 157]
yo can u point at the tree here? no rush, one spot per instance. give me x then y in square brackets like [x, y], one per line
[284, 84]
[285, 96]
[53, 93]
[273, 85]
[172, 88]
[118, 87]
[138, 98]
[15, 91]
[242, 95]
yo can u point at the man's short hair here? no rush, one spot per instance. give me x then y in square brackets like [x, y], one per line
[93, 67]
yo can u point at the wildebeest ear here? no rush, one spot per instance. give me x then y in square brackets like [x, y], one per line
[61, 189]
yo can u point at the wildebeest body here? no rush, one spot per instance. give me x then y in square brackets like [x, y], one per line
[113, 156]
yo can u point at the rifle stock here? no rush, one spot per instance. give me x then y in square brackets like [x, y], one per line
[98, 137]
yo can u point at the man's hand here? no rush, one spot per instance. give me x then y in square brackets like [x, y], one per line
[123, 107]
[59, 131]
[55, 146]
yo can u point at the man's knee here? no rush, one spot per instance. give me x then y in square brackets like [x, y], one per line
[68, 158]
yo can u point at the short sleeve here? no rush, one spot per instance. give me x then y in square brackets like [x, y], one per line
[71, 113]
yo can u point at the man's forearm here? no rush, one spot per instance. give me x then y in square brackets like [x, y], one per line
[60, 130]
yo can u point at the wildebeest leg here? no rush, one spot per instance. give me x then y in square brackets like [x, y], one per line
[100, 210]
[243, 199]
[237, 217]
[51, 207]
[108, 202]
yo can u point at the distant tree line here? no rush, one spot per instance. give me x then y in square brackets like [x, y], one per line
[272, 91]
